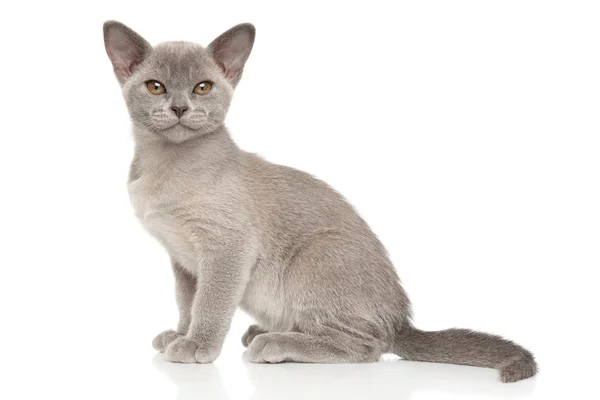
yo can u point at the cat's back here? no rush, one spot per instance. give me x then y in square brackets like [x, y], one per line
[295, 198]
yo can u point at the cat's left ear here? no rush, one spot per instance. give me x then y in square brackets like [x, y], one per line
[232, 49]
[125, 48]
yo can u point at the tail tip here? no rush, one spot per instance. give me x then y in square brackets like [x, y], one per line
[518, 369]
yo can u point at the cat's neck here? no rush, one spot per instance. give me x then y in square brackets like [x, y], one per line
[204, 152]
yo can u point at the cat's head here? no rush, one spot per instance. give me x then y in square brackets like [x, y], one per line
[177, 90]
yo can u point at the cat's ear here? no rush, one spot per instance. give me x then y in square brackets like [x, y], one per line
[231, 50]
[125, 48]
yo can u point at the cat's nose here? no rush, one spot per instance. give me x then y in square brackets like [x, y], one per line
[179, 110]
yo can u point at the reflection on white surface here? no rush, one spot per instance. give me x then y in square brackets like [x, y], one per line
[387, 379]
[192, 380]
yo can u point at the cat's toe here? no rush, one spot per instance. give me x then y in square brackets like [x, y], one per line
[188, 351]
[182, 350]
[265, 349]
[164, 339]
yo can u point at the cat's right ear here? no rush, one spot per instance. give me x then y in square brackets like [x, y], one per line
[125, 48]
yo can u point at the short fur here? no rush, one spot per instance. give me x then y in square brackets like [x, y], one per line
[277, 242]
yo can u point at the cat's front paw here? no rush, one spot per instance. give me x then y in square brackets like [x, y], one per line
[186, 350]
[164, 339]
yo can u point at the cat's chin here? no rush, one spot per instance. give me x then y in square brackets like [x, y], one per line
[176, 133]
[179, 133]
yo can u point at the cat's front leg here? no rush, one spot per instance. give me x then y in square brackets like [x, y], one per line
[220, 285]
[185, 289]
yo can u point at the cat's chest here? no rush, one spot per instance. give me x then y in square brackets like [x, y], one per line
[149, 198]
[159, 208]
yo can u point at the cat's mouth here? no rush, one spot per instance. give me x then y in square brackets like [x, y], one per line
[183, 128]
[188, 127]
[179, 124]
[195, 124]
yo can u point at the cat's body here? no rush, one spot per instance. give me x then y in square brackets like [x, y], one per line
[235, 195]
[275, 241]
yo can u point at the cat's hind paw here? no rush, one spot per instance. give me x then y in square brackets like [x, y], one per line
[252, 332]
[266, 348]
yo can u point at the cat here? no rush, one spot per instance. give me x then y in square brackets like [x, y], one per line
[277, 242]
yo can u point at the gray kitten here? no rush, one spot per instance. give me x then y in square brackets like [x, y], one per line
[277, 242]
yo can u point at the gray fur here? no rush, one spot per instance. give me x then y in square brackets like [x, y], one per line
[277, 242]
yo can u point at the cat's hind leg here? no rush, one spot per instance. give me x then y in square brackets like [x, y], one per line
[277, 347]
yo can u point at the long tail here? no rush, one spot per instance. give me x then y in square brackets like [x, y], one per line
[466, 347]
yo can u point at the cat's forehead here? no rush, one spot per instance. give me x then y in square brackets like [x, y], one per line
[180, 61]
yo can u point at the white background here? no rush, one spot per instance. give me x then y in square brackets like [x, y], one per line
[465, 132]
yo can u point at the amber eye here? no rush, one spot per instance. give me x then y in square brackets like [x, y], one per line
[155, 87]
[203, 88]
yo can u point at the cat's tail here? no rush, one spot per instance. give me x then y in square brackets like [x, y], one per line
[466, 347]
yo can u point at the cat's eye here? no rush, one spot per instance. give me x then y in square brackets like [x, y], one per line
[203, 87]
[155, 87]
